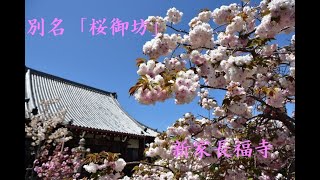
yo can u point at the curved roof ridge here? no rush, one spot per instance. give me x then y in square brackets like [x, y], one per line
[114, 94]
[133, 119]
[88, 107]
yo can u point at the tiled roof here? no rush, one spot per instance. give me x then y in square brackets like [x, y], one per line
[86, 106]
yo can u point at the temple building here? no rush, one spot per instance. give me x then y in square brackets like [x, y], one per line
[94, 113]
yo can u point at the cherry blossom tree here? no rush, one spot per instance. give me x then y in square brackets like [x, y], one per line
[53, 160]
[238, 54]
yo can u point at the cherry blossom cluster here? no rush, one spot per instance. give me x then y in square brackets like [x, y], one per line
[201, 35]
[237, 70]
[243, 21]
[107, 167]
[213, 77]
[152, 21]
[41, 128]
[185, 86]
[203, 16]
[205, 100]
[276, 98]
[161, 45]
[277, 16]
[197, 58]
[235, 21]
[152, 91]
[174, 64]
[225, 14]
[60, 165]
[239, 104]
[151, 68]
[173, 16]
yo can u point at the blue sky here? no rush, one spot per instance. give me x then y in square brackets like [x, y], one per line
[104, 61]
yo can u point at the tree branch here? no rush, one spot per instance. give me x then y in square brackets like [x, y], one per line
[219, 26]
[174, 50]
[281, 116]
[220, 118]
[183, 31]
[196, 48]
[205, 86]
[150, 164]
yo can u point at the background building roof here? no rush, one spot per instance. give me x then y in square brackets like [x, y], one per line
[86, 106]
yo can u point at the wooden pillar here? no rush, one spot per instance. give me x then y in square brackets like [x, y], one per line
[124, 140]
[141, 147]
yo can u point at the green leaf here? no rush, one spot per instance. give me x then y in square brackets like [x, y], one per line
[226, 101]
[135, 168]
[266, 12]
[290, 78]
[140, 61]
[132, 90]
[204, 10]
[276, 19]
[255, 139]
